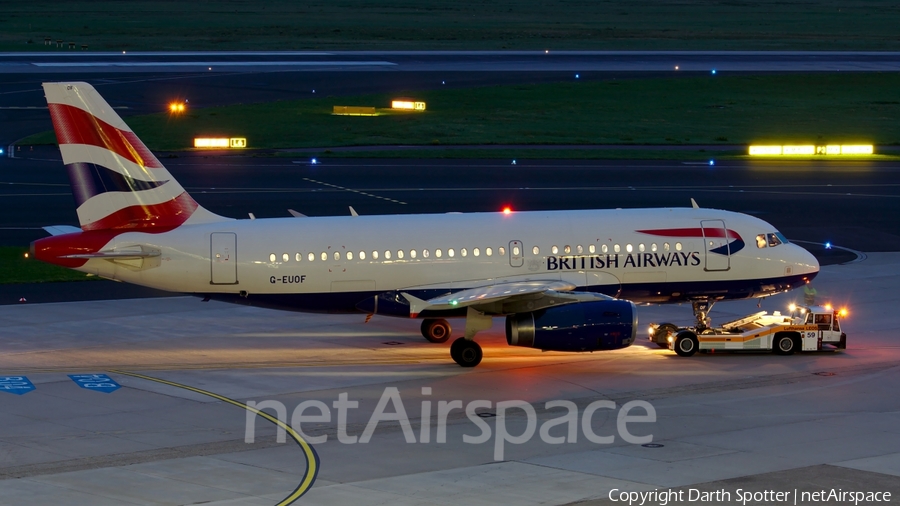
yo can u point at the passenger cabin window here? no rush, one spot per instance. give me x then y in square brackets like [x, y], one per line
[641, 247]
[665, 246]
[324, 256]
[362, 255]
[488, 251]
[375, 254]
[592, 248]
[311, 257]
[501, 250]
[337, 255]
[677, 246]
[535, 250]
[653, 247]
[604, 249]
[464, 252]
[567, 249]
[515, 251]
[412, 253]
[399, 253]
[579, 249]
[616, 248]
[298, 257]
[628, 248]
[285, 257]
[438, 253]
[761, 241]
[554, 249]
[451, 253]
[349, 255]
[272, 257]
[476, 251]
[426, 253]
[387, 254]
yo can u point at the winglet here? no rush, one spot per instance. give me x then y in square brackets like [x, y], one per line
[694, 203]
[416, 305]
[295, 214]
[353, 212]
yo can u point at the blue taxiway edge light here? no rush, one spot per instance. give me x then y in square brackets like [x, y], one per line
[19, 385]
[827, 245]
[96, 382]
[712, 162]
[714, 71]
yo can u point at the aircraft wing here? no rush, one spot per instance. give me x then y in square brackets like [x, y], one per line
[504, 298]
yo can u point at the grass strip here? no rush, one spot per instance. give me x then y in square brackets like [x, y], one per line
[437, 24]
[15, 268]
[842, 108]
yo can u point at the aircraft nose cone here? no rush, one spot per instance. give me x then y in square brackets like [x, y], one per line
[805, 262]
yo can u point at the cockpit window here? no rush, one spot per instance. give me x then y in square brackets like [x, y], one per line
[773, 240]
[761, 241]
[782, 237]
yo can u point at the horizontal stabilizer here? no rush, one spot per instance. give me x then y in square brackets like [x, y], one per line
[61, 229]
[130, 252]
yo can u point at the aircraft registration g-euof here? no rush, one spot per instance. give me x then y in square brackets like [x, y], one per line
[564, 280]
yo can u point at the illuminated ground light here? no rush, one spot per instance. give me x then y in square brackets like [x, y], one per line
[407, 105]
[220, 142]
[176, 107]
[810, 150]
[347, 110]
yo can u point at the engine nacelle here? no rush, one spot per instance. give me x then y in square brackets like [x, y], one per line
[583, 326]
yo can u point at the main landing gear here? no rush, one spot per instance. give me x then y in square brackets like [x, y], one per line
[465, 352]
[436, 331]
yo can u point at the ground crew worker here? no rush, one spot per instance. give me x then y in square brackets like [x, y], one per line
[809, 295]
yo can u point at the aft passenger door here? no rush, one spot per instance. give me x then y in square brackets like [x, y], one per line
[715, 243]
[223, 258]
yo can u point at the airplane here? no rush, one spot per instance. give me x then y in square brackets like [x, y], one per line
[564, 280]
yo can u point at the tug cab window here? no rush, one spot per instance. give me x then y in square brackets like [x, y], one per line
[823, 321]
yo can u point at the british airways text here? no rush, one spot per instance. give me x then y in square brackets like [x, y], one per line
[679, 258]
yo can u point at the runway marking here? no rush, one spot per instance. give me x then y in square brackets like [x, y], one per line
[312, 458]
[352, 190]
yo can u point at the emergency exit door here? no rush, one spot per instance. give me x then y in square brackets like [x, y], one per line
[516, 254]
[223, 258]
[715, 244]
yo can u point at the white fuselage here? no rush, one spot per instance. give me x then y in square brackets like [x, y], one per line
[314, 259]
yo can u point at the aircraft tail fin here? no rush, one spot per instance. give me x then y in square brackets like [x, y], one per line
[117, 182]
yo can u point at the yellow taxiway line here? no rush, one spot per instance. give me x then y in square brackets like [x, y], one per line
[312, 458]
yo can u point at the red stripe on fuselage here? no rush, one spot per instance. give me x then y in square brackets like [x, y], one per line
[692, 232]
[77, 126]
[166, 215]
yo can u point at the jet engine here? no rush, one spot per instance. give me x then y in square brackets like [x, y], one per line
[582, 326]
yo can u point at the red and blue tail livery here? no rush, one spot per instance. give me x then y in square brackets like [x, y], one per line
[117, 182]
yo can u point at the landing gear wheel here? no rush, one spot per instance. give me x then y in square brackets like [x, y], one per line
[661, 336]
[784, 345]
[466, 353]
[686, 343]
[436, 331]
